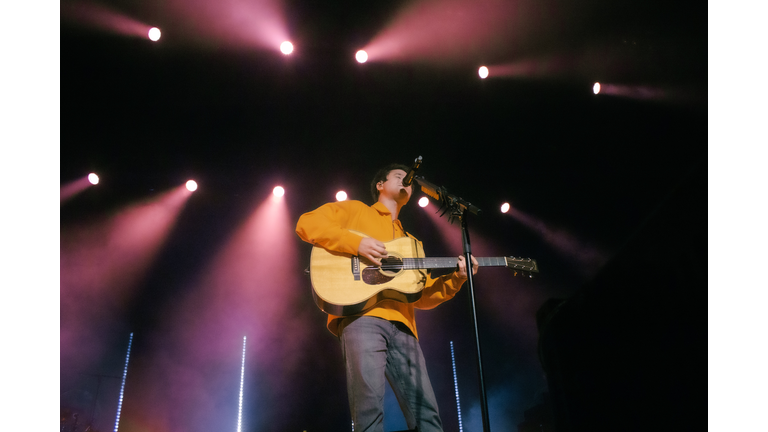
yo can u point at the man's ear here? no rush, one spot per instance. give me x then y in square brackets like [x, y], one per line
[380, 185]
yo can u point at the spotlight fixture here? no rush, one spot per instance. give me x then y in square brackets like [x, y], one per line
[361, 56]
[191, 185]
[596, 88]
[278, 191]
[154, 34]
[423, 202]
[341, 196]
[505, 207]
[483, 72]
[286, 47]
[93, 178]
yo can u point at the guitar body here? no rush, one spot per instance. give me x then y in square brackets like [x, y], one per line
[344, 285]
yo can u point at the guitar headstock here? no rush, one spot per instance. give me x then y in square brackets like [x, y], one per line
[526, 266]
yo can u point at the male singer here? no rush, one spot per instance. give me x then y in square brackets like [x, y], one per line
[381, 342]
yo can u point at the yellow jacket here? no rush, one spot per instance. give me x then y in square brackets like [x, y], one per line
[328, 227]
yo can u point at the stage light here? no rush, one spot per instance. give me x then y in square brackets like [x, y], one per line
[154, 34]
[361, 56]
[191, 185]
[505, 207]
[483, 72]
[341, 196]
[423, 202]
[122, 386]
[240, 407]
[93, 178]
[596, 88]
[456, 387]
[278, 191]
[286, 47]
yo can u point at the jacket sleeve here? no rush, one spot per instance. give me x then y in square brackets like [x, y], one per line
[438, 290]
[325, 227]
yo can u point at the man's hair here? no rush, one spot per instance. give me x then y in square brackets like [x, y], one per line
[381, 176]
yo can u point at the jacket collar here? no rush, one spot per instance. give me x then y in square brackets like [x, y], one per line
[381, 208]
[384, 211]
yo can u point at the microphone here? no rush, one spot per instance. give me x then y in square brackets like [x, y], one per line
[409, 177]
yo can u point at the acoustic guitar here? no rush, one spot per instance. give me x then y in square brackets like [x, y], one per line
[344, 284]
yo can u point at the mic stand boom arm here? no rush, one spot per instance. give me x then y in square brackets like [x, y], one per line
[448, 202]
[458, 208]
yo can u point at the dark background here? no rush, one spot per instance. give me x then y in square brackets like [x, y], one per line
[590, 170]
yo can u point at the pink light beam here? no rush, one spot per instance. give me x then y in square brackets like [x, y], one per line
[100, 265]
[444, 31]
[633, 92]
[587, 258]
[74, 187]
[100, 17]
[233, 23]
[253, 286]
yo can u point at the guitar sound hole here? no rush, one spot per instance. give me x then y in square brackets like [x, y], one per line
[391, 265]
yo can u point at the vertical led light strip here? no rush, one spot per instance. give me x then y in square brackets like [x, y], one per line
[456, 387]
[122, 386]
[242, 375]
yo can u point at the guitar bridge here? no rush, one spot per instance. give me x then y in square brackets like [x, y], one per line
[356, 268]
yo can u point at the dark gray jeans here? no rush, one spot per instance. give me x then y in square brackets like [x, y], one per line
[375, 349]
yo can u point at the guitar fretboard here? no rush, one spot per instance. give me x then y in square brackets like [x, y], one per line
[450, 262]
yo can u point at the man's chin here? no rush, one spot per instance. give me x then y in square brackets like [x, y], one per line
[404, 195]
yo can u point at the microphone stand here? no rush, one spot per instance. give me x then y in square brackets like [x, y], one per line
[458, 209]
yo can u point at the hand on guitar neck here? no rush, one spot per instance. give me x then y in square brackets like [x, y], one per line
[462, 270]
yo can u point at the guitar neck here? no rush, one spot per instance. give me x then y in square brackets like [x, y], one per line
[451, 262]
[448, 262]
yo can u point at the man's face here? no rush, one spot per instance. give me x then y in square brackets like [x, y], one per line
[394, 188]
